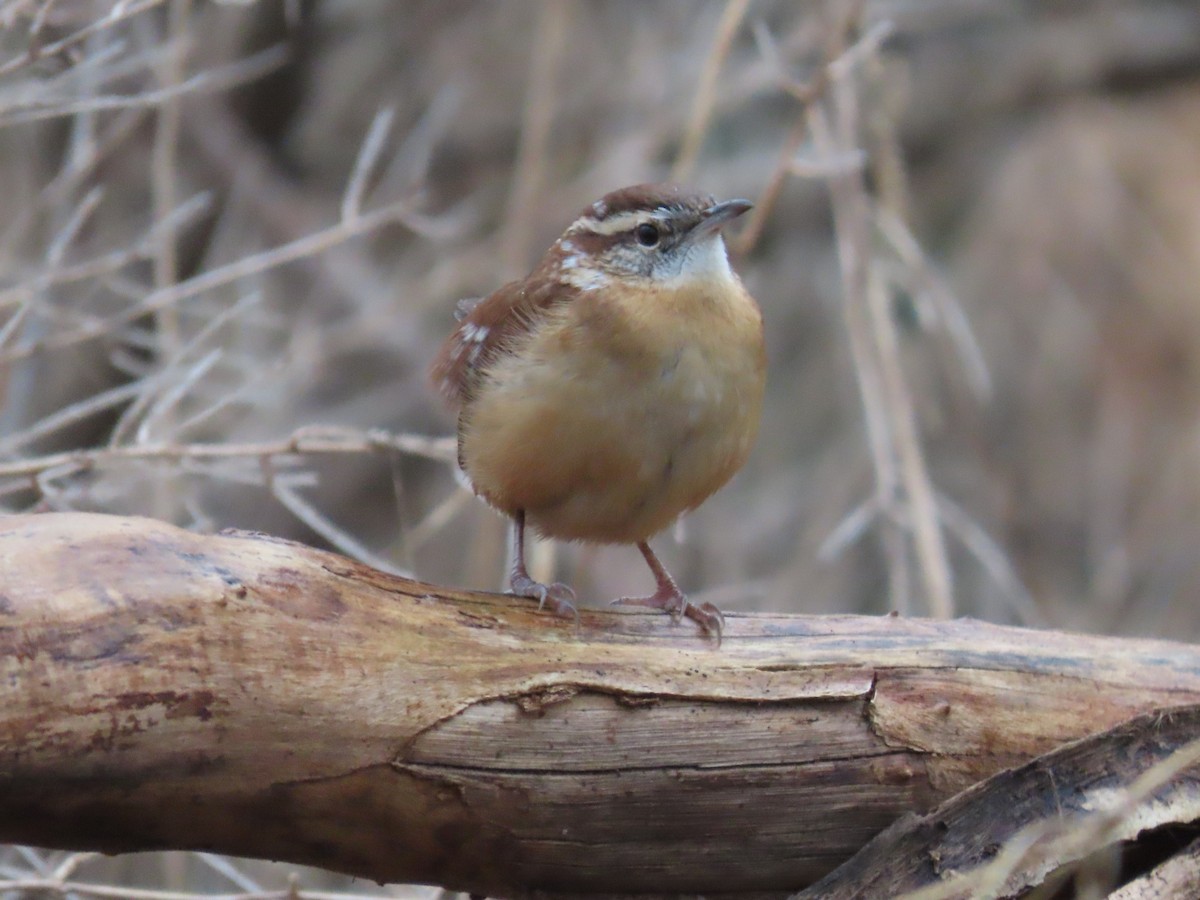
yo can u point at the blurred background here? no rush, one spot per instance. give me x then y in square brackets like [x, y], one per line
[233, 233]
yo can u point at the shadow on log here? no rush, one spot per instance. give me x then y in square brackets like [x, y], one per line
[246, 695]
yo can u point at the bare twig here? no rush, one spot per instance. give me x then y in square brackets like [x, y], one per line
[904, 493]
[702, 103]
[337, 536]
[914, 474]
[399, 212]
[305, 441]
[933, 287]
[66, 236]
[72, 414]
[67, 888]
[213, 80]
[993, 559]
[365, 164]
[853, 246]
[105, 264]
[119, 13]
[147, 400]
[537, 119]
[786, 166]
[162, 170]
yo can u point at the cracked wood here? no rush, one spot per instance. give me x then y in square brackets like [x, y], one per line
[251, 696]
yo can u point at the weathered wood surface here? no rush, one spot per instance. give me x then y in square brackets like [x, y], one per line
[1039, 822]
[251, 696]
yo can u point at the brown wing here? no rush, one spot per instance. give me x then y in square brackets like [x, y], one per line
[487, 329]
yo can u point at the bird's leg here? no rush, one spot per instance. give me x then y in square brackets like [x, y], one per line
[558, 596]
[668, 597]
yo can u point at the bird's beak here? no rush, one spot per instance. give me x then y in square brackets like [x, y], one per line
[713, 218]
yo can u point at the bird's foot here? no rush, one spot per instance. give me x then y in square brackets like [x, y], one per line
[557, 596]
[673, 601]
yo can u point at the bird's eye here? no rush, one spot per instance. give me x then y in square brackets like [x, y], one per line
[647, 234]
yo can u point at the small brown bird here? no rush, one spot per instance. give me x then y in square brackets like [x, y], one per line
[614, 388]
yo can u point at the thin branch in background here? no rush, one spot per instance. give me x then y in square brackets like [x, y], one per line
[284, 211]
[35, 860]
[849, 530]
[785, 167]
[520, 214]
[958, 523]
[167, 402]
[133, 416]
[903, 492]
[78, 165]
[243, 393]
[101, 266]
[39, 19]
[72, 414]
[36, 873]
[931, 286]
[438, 517]
[214, 80]
[919, 496]
[828, 166]
[164, 162]
[303, 441]
[394, 213]
[163, 165]
[61, 242]
[16, 321]
[768, 197]
[993, 559]
[49, 474]
[365, 164]
[231, 872]
[283, 491]
[702, 102]
[549, 45]
[409, 164]
[119, 14]
[853, 247]
[213, 326]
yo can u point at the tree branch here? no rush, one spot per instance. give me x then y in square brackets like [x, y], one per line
[247, 695]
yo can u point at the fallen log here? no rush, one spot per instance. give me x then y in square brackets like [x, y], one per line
[247, 695]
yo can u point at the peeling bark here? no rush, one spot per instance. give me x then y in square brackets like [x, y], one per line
[250, 696]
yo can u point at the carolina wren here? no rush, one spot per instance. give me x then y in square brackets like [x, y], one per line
[614, 388]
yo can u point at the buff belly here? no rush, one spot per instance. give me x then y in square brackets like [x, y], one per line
[611, 447]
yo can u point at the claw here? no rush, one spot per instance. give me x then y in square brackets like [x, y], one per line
[672, 601]
[710, 618]
[558, 596]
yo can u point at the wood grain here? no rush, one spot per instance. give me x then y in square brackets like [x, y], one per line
[251, 696]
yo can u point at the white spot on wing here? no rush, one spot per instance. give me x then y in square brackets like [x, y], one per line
[463, 307]
[572, 258]
[473, 334]
[585, 278]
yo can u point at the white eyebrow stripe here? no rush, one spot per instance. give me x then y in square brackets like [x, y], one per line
[615, 224]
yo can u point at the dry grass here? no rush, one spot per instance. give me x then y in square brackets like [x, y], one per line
[233, 235]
